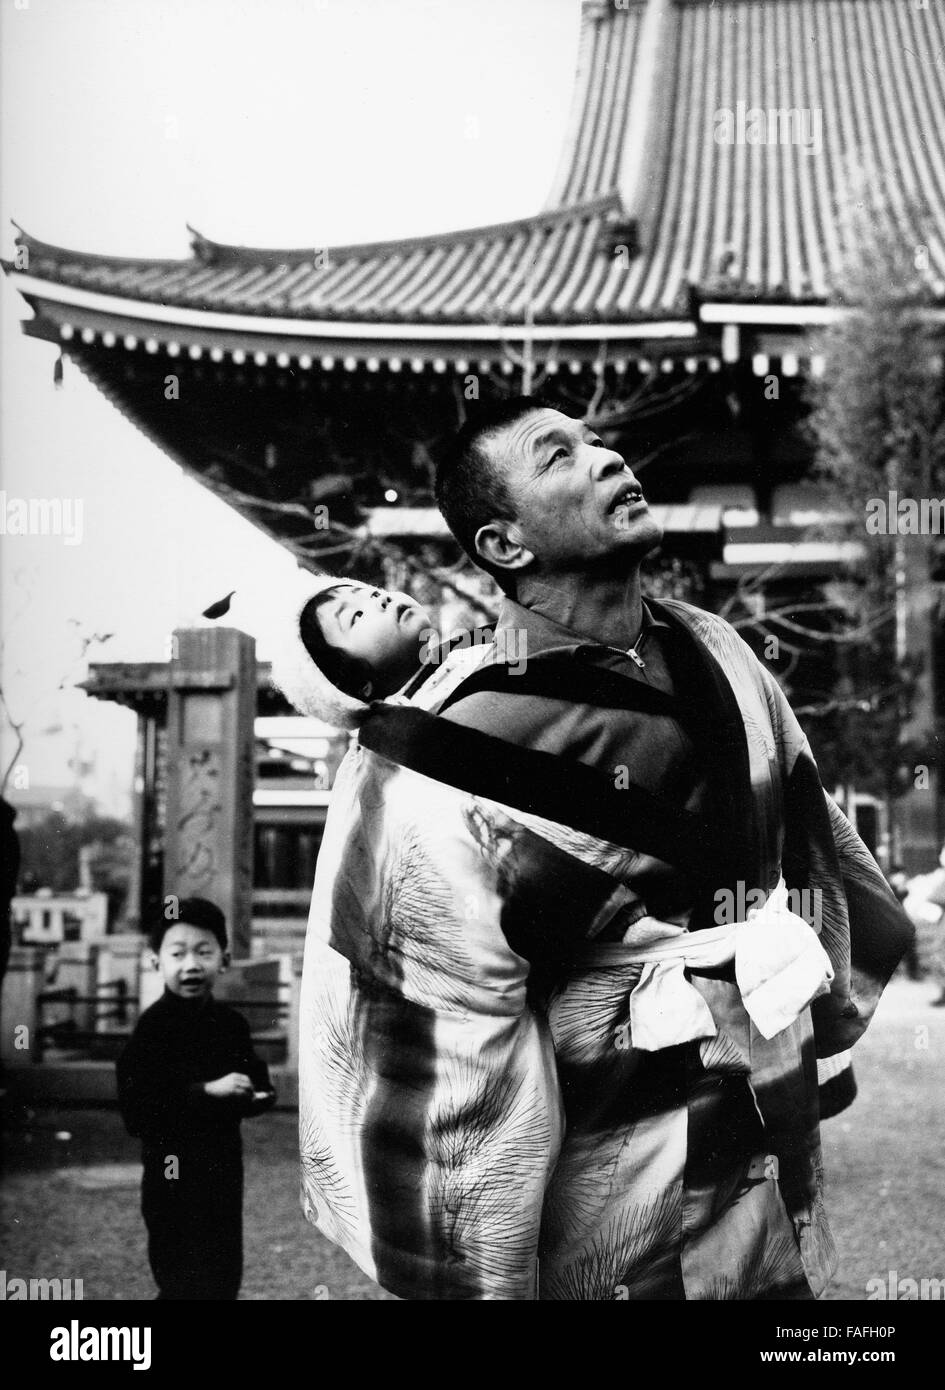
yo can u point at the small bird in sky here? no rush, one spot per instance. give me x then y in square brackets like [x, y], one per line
[222, 605]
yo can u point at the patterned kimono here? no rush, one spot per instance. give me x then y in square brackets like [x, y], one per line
[476, 1119]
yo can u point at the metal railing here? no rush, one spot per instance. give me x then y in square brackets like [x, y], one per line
[113, 1012]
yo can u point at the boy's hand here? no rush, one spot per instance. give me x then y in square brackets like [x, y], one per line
[234, 1086]
[263, 1100]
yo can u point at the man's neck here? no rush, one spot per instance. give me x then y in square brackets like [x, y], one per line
[607, 609]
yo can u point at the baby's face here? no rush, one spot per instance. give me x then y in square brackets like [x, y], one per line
[387, 631]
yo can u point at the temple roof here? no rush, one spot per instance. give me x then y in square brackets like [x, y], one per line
[476, 276]
[658, 204]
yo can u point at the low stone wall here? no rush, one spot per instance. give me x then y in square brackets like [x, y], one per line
[93, 1083]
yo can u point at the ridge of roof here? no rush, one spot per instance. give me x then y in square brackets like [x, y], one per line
[222, 253]
[92, 258]
[218, 253]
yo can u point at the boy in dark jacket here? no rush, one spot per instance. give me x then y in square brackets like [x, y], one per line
[187, 1078]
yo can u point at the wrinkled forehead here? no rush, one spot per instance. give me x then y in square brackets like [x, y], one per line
[517, 444]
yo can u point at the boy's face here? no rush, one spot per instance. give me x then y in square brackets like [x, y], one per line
[189, 960]
[384, 630]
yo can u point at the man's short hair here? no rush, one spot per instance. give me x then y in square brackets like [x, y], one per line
[191, 912]
[471, 487]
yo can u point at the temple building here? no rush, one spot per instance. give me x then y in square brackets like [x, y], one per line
[673, 287]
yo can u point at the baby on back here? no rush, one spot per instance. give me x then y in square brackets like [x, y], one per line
[342, 644]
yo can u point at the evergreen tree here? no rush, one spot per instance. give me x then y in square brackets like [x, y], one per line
[878, 424]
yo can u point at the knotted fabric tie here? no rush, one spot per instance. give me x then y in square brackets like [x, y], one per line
[780, 967]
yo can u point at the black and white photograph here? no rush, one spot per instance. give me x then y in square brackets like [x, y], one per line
[472, 663]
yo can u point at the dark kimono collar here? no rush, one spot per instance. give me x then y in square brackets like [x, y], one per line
[712, 717]
[546, 633]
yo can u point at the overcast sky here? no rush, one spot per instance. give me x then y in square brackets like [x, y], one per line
[261, 122]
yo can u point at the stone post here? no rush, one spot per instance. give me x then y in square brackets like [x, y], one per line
[210, 775]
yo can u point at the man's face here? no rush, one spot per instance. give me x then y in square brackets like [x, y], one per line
[576, 502]
[384, 630]
[190, 959]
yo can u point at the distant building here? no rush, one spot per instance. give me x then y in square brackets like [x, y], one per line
[34, 804]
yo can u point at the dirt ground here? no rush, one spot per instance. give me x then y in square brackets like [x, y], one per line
[69, 1205]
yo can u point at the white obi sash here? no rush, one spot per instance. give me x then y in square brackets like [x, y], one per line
[780, 967]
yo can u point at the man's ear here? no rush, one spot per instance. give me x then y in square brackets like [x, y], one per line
[500, 543]
[225, 961]
[366, 690]
[154, 962]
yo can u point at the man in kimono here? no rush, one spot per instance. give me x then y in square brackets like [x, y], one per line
[577, 945]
